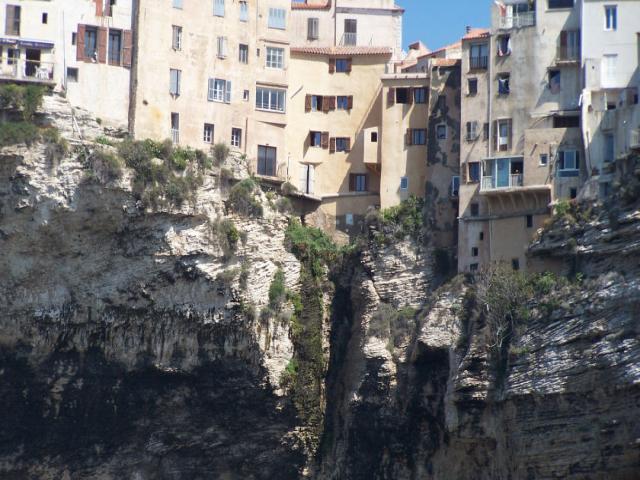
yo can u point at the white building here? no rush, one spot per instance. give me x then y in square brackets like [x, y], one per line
[610, 111]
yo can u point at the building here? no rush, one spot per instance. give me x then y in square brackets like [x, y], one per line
[610, 110]
[81, 47]
[521, 145]
[214, 72]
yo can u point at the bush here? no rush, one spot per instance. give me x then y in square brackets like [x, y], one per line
[226, 236]
[13, 133]
[310, 245]
[102, 140]
[220, 153]
[105, 167]
[277, 291]
[284, 205]
[56, 147]
[242, 199]
[27, 99]
[288, 188]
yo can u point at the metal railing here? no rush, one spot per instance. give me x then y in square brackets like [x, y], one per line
[491, 183]
[568, 54]
[31, 70]
[175, 136]
[634, 141]
[518, 20]
[349, 39]
[479, 63]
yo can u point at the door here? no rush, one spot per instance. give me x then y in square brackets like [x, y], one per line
[266, 161]
[504, 170]
[33, 62]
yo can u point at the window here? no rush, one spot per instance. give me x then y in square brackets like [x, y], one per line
[554, 81]
[569, 45]
[568, 163]
[275, 57]
[243, 53]
[218, 8]
[236, 137]
[609, 67]
[529, 221]
[12, 20]
[503, 44]
[176, 38]
[404, 184]
[343, 144]
[278, 18]
[479, 56]
[244, 11]
[560, 4]
[317, 103]
[343, 102]
[72, 74]
[222, 47]
[515, 264]
[503, 84]
[474, 251]
[357, 182]
[175, 77]
[348, 219]
[374, 137]
[472, 131]
[573, 193]
[219, 90]
[13, 55]
[481, 236]
[175, 128]
[474, 172]
[610, 17]
[420, 95]
[454, 190]
[475, 209]
[266, 161]
[272, 99]
[343, 65]
[609, 148]
[245, 95]
[177, 3]
[566, 121]
[312, 28]
[473, 267]
[115, 47]
[472, 86]
[544, 159]
[402, 95]
[503, 135]
[207, 135]
[45, 17]
[441, 132]
[419, 136]
[74, 38]
[315, 139]
[350, 32]
[90, 43]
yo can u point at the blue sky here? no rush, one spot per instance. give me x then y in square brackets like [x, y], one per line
[441, 22]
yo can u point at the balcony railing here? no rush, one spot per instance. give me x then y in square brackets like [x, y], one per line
[491, 183]
[26, 70]
[634, 141]
[479, 63]
[349, 39]
[175, 136]
[568, 54]
[518, 20]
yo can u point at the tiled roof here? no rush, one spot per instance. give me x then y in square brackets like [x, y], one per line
[347, 51]
[476, 33]
[440, 50]
[311, 6]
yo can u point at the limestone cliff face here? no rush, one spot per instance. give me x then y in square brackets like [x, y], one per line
[127, 349]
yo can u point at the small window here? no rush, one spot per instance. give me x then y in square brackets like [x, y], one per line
[419, 136]
[554, 81]
[222, 47]
[566, 121]
[374, 137]
[176, 42]
[481, 236]
[219, 90]
[610, 17]
[342, 144]
[504, 45]
[245, 95]
[348, 219]
[560, 4]
[316, 103]
[475, 209]
[267, 161]
[271, 99]
[207, 135]
[312, 28]
[544, 159]
[342, 65]
[342, 102]
[275, 57]
[402, 95]
[175, 77]
[472, 86]
[278, 18]
[475, 251]
[177, 4]
[455, 186]
[441, 132]
[472, 131]
[568, 160]
[358, 182]
[72, 75]
[315, 139]
[244, 11]
[515, 264]
[573, 193]
[529, 221]
[404, 184]
[218, 8]
[74, 38]
[504, 84]
[175, 128]
[474, 172]
[115, 47]
[243, 53]
[420, 95]
[236, 137]
[45, 17]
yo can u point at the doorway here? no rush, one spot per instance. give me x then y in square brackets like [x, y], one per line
[33, 62]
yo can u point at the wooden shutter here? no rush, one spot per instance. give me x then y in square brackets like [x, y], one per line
[349, 102]
[366, 183]
[563, 45]
[332, 103]
[494, 135]
[510, 135]
[8, 21]
[107, 9]
[410, 95]
[332, 145]
[391, 97]
[352, 182]
[127, 49]
[408, 137]
[98, 7]
[102, 45]
[80, 43]
[332, 65]
[325, 104]
[324, 140]
[307, 103]
[348, 145]
[349, 64]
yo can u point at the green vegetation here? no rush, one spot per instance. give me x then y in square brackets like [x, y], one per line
[284, 205]
[102, 140]
[13, 133]
[311, 246]
[104, 167]
[387, 322]
[27, 99]
[242, 199]
[56, 147]
[277, 291]
[220, 153]
[226, 235]
[399, 222]
[288, 188]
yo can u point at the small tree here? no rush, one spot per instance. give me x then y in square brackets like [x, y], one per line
[220, 153]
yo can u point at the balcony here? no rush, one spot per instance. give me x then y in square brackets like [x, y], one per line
[512, 181]
[518, 20]
[29, 71]
[502, 173]
[349, 39]
[634, 140]
[568, 55]
[479, 63]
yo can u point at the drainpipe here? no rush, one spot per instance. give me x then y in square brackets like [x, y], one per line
[64, 56]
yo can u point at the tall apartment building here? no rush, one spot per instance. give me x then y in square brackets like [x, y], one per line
[80, 46]
[521, 147]
[217, 71]
[610, 109]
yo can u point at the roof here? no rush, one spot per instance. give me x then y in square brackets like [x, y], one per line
[346, 51]
[474, 33]
[317, 5]
[446, 62]
[458, 44]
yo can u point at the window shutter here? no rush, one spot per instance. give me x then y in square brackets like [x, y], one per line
[391, 97]
[577, 160]
[210, 89]
[307, 103]
[102, 45]
[80, 43]
[332, 103]
[349, 64]
[352, 182]
[332, 65]
[98, 7]
[366, 183]
[8, 21]
[107, 9]
[325, 104]
[348, 144]
[127, 52]
[410, 99]
[324, 140]
[332, 145]
[349, 102]
[408, 137]
[494, 135]
[510, 135]
[227, 96]
[563, 42]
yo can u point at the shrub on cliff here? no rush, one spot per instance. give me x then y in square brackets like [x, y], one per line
[242, 199]
[27, 99]
[310, 245]
[13, 133]
[105, 167]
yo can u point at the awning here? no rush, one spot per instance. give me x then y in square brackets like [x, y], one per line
[24, 42]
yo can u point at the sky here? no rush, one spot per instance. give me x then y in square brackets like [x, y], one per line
[441, 22]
